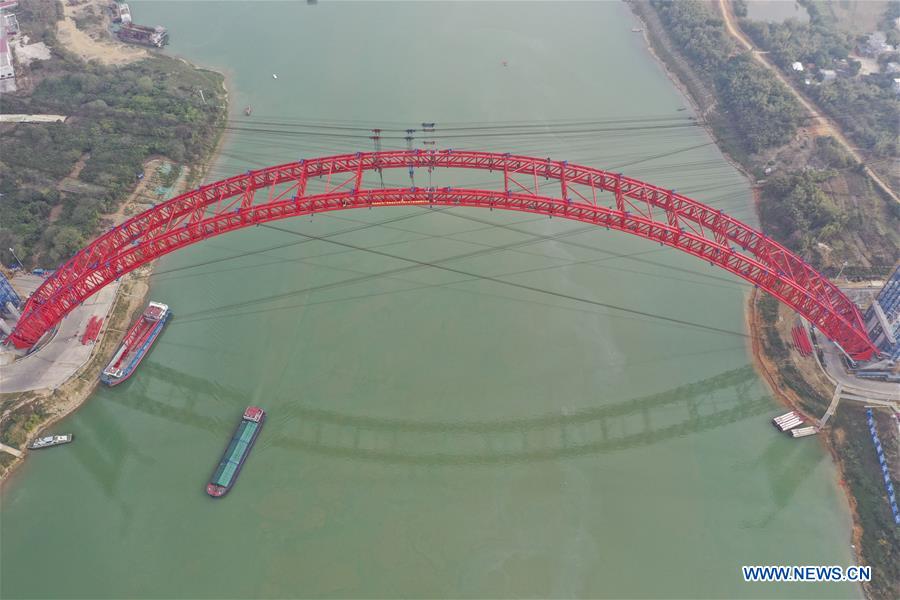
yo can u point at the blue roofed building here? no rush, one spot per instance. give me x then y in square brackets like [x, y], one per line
[883, 317]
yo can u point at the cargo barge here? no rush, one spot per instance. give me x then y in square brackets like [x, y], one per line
[148, 36]
[236, 453]
[136, 344]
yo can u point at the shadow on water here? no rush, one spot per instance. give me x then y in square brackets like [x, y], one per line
[786, 471]
[104, 464]
[642, 421]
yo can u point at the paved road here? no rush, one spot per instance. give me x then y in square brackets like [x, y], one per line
[10, 118]
[10, 450]
[821, 123]
[834, 369]
[845, 395]
[835, 399]
[61, 357]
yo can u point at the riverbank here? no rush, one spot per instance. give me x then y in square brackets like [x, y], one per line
[37, 410]
[801, 385]
[68, 181]
[43, 408]
[802, 390]
[524, 401]
[84, 30]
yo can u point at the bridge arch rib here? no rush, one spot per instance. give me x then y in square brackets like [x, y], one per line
[594, 196]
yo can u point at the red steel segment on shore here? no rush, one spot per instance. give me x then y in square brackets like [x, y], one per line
[590, 195]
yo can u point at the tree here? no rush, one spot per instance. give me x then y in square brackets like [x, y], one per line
[760, 106]
[65, 242]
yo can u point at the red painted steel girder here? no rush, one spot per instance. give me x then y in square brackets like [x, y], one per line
[635, 206]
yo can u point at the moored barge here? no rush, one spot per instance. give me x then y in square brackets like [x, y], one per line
[136, 344]
[236, 453]
[50, 440]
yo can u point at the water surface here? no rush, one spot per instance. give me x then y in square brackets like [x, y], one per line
[429, 433]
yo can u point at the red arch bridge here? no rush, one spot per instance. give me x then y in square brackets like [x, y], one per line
[603, 198]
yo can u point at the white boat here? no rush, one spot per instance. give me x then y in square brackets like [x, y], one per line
[786, 417]
[274, 76]
[50, 440]
[787, 425]
[804, 431]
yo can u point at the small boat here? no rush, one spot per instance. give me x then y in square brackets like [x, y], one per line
[274, 76]
[236, 453]
[248, 111]
[504, 63]
[50, 440]
[804, 431]
[636, 30]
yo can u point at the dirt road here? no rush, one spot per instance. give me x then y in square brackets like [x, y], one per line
[819, 123]
[94, 45]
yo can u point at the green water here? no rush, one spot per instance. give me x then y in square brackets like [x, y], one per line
[432, 434]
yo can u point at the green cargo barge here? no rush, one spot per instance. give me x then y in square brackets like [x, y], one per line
[236, 453]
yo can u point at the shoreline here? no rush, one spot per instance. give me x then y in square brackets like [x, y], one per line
[761, 363]
[698, 108]
[71, 394]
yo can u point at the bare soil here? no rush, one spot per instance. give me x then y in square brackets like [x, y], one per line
[95, 43]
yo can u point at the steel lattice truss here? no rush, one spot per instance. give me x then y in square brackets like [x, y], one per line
[606, 199]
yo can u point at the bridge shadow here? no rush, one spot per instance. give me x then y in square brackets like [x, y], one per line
[105, 461]
[629, 423]
[786, 471]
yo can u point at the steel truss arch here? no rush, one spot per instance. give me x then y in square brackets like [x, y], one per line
[590, 195]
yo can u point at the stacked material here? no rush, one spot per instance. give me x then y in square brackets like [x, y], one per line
[886, 475]
[92, 330]
[787, 421]
[801, 340]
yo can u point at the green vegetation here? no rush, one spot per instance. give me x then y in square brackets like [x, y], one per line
[867, 109]
[832, 154]
[5, 461]
[38, 18]
[791, 41]
[865, 106]
[761, 109]
[849, 434]
[119, 117]
[816, 194]
[768, 308]
[797, 211]
[699, 33]
[21, 422]
[810, 400]
[887, 22]
[755, 119]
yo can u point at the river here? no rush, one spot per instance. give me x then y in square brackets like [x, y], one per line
[432, 434]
